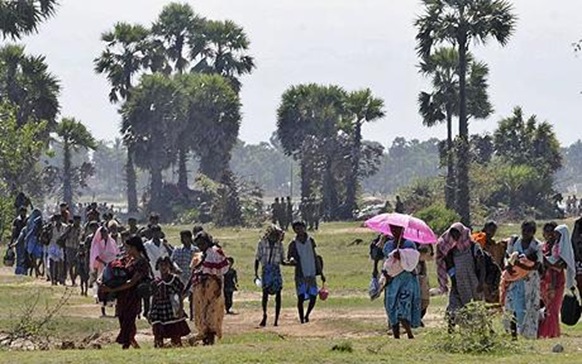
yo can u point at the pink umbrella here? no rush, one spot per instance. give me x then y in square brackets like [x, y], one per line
[414, 229]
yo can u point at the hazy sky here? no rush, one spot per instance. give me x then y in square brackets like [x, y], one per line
[352, 43]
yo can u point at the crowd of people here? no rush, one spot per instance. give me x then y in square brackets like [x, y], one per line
[136, 270]
[139, 272]
[526, 277]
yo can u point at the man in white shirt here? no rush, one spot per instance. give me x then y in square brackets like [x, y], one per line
[155, 249]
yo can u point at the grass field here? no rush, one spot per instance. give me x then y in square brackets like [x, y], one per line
[347, 319]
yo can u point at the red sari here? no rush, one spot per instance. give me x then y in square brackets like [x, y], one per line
[552, 287]
[129, 303]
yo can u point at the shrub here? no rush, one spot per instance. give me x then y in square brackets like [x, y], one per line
[438, 217]
[475, 333]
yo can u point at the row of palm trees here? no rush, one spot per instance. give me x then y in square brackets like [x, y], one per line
[178, 42]
[321, 127]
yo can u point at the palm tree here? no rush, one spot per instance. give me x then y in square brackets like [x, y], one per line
[365, 108]
[222, 48]
[308, 121]
[460, 23]
[124, 57]
[18, 18]
[443, 103]
[26, 83]
[73, 136]
[175, 27]
[214, 119]
[150, 120]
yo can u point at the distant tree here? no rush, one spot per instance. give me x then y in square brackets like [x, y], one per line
[459, 23]
[213, 119]
[125, 56]
[73, 135]
[176, 27]
[151, 119]
[363, 108]
[308, 123]
[443, 102]
[528, 142]
[221, 47]
[20, 18]
[26, 83]
[20, 150]
[526, 145]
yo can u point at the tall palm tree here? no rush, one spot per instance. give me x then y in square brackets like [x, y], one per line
[73, 136]
[308, 121]
[459, 23]
[443, 102]
[175, 27]
[364, 108]
[19, 18]
[26, 83]
[124, 57]
[150, 120]
[214, 117]
[221, 48]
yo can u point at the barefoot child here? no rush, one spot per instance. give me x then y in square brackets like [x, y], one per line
[167, 315]
[82, 262]
[230, 286]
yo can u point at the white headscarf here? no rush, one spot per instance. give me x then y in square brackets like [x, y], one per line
[567, 254]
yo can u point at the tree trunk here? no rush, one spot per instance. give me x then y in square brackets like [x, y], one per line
[352, 181]
[156, 186]
[330, 199]
[213, 166]
[131, 180]
[451, 185]
[463, 194]
[67, 178]
[182, 169]
[305, 180]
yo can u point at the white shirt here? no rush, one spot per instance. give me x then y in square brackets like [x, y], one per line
[154, 253]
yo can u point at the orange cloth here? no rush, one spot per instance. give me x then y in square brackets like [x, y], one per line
[480, 238]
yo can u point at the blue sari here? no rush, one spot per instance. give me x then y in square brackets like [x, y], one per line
[402, 294]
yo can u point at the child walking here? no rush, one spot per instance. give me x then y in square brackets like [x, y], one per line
[230, 286]
[167, 315]
[83, 268]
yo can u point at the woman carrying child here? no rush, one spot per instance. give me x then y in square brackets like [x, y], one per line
[523, 294]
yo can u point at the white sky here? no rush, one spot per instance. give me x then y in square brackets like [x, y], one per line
[352, 43]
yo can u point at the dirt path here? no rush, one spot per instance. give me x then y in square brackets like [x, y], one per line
[325, 322]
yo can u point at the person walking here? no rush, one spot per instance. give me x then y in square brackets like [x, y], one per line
[301, 253]
[270, 256]
[523, 295]
[128, 301]
[167, 315]
[182, 257]
[208, 269]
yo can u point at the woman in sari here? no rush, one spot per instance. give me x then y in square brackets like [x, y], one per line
[128, 301]
[103, 251]
[402, 293]
[560, 273]
[456, 260]
[208, 269]
[523, 295]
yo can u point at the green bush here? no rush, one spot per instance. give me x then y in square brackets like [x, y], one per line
[438, 217]
[475, 333]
